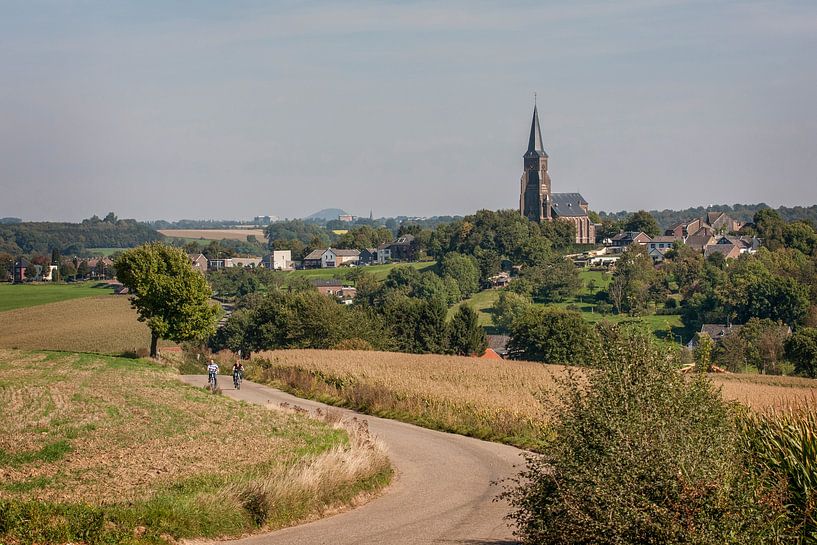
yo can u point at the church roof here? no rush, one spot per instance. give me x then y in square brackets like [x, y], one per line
[535, 146]
[568, 204]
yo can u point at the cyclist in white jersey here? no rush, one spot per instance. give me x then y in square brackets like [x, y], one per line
[212, 372]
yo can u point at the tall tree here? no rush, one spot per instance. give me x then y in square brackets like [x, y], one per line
[642, 221]
[464, 269]
[172, 298]
[465, 336]
[552, 335]
[801, 349]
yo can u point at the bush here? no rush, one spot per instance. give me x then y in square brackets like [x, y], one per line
[642, 455]
[552, 335]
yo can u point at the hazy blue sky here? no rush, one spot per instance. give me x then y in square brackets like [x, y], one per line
[218, 109]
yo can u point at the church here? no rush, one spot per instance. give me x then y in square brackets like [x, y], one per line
[538, 203]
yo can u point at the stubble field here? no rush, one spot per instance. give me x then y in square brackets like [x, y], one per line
[215, 234]
[101, 449]
[500, 400]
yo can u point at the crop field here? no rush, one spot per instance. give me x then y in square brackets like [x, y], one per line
[501, 400]
[105, 324]
[102, 449]
[379, 271]
[28, 295]
[214, 234]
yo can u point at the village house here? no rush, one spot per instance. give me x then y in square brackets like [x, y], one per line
[368, 256]
[247, 262]
[624, 239]
[198, 262]
[331, 258]
[335, 288]
[101, 267]
[278, 260]
[220, 263]
[19, 272]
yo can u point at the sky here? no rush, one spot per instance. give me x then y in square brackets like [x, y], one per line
[228, 110]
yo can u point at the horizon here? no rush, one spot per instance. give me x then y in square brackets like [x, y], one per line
[417, 108]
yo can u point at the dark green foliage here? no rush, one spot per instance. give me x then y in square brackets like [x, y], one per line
[552, 335]
[633, 281]
[776, 298]
[241, 281]
[769, 226]
[642, 221]
[740, 212]
[801, 349]
[465, 336]
[464, 269]
[507, 308]
[554, 280]
[43, 237]
[364, 236]
[642, 456]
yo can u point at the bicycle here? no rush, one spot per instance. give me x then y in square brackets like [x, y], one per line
[212, 382]
[237, 378]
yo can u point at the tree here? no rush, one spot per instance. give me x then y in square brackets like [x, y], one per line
[765, 343]
[508, 307]
[83, 269]
[465, 336]
[552, 335]
[644, 455]
[642, 221]
[632, 280]
[464, 269]
[769, 227]
[801, 349]
[800, 236]
[730, 353]
[774, 297]
[67, 269]
[6, 265]
[172, 298]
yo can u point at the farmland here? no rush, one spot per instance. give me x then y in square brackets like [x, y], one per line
[106, 324]
[496, 400]
[214, 234]
[102, 449]
[379, 271]
[28, 295]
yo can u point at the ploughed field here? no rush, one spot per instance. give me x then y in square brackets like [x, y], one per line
[500, 400]
[105, 449]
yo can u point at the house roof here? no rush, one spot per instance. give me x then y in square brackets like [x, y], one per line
[663, 238]
[345, 253]
[728, 250]
[628, 235]
[719, 331]
[498, 343]
[568, 204]
[327, 283]
[712, 217]
[403, 240]
[698, 240]
[314, 254]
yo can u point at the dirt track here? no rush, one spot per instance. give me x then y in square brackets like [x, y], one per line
[442, 492]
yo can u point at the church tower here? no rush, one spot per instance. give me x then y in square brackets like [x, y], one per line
[535, 195]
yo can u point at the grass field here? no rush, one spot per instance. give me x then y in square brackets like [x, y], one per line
[96, 449]
[105, 324]
[106, 252]
[214, 234]
[28, 295]
[379, 271]
[495, 400]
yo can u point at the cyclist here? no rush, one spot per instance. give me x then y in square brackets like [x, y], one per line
[238, 374]
[212, 374]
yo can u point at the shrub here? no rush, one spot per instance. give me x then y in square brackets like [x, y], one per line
[642, 455]
[551, 335]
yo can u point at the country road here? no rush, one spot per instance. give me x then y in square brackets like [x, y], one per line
[442, 491]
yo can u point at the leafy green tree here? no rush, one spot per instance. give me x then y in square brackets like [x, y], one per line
[67, 270]
[775, 298]
[634, 275]
[769, 227]
[800, 235]
[465, 336]
[552, 335]
[464, 269]
[560, 233]
[6, 265]
[644, 455]
[172, 298]
[508, 307]
[731, 352]
[765, 343]
[642, 221]
[431, 327]
[801, 349]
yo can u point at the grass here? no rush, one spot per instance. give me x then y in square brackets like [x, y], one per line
[100, 449]
[481, 302]
[503, 401]
[105, 324]
[28, 295]
[379, 271]
[105, 252]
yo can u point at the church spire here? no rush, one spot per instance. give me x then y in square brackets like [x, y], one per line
[535, 146]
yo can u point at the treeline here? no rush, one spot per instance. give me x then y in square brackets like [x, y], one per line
[74, 238]
[740, 212]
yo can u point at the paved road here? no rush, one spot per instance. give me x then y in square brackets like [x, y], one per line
[442, 492]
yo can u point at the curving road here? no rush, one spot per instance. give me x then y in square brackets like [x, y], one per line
[442, 491]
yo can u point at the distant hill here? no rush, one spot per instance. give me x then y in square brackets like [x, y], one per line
[741, 212]
[327, 214]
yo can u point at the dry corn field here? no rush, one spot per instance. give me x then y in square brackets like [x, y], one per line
[127, 437]
[492, 399]
[106, 324]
